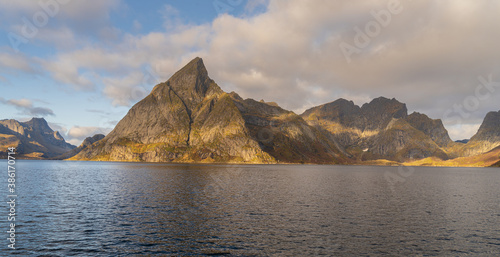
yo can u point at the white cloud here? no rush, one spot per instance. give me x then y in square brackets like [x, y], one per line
[136, 26]
[15, 62]
[25, 106]
[462, 131]
[428, 56]
[77, 134]
[75, 141]
[81, 133]
[254, 4]
[126, 90]
[57, 23]
[58, 127]
[86, 12]
[171, 17]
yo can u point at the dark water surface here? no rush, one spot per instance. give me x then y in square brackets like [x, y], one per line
[129, 209]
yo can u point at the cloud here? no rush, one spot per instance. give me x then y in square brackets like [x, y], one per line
[252, 5]
[462, 131]
[15, 62]
[58, 23]
[171, 17]
[58, 127]
[81, 15]
[126, 90]
[136, 26]
[428, 55]
[156, 55]
[81, 133]
[67, 73]
[26, 107]
[76, 134]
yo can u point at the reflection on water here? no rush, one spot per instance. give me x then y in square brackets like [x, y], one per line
[103, 209]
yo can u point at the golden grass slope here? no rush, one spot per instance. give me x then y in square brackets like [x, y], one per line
[488, 159]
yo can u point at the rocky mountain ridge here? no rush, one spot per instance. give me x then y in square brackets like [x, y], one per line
[380, 129]
[32, 139]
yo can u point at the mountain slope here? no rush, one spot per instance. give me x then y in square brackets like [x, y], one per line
[486, 138]
[381, 129]
[488, 159]
[33, 139]
[285, 135]
[433, 128]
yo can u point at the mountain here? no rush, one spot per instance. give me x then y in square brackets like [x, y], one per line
[190, 119]
[486, 138]
[33, 139]
[285, 135]
[86, 143]
[432, 128]
[381, 129]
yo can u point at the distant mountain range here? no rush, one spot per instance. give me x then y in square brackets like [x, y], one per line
[33, 139]
[189, 118]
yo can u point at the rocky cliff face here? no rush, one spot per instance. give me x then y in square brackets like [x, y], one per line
[33, 139]
[486, 138]
[380, 129]
[400, 141]
[432, 128]
[190, 119]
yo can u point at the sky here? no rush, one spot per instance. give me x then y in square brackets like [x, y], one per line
[81, 65]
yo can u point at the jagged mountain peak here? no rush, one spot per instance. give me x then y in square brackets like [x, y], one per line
[191, 84]
[486, 138]
[491, 121]
[34, 138]
[434, 128]
[387, 105]
[489, 129]
[39, 124]
[333, 110]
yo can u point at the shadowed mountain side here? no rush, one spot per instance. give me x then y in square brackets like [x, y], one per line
[486, 138]
[432, 128]
[400, 141]
[285, 135]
